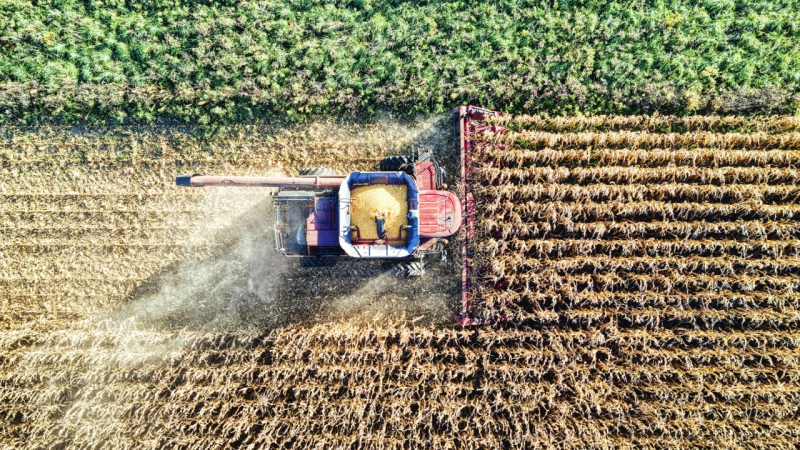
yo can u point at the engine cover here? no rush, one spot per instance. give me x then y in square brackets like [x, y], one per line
[439, 214]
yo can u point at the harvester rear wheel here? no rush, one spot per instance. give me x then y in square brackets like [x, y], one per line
[408, 269]
[398, 164]
[316, 172]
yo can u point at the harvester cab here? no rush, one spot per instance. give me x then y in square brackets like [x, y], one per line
[402, 212]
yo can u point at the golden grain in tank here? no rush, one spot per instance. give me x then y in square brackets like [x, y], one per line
[388, 199]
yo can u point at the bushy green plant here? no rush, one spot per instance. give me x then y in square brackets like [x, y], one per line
[228, 61]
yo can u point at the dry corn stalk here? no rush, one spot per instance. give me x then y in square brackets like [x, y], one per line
[654, 312]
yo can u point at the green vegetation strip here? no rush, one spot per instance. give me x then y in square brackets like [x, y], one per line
[232, 61]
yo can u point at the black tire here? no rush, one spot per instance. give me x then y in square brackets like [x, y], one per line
[398, 164]
[408, 269]
[316, 172]
[317, 262]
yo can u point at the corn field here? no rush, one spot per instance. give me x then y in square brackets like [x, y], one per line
[680, 231]
[645, 270]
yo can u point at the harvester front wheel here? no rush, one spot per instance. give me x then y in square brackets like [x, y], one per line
[398, 164]
[316, 172]
[408, 269]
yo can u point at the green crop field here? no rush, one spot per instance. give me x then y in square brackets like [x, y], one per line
[245, 60]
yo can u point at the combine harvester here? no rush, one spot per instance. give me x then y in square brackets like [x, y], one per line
[401, 213]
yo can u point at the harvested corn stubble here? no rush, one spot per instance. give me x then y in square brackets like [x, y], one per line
[389, 200]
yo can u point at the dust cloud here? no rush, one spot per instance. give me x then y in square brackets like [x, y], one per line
[429, 299]
[230, 288]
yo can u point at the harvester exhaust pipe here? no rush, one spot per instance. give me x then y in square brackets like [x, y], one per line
[319, 182]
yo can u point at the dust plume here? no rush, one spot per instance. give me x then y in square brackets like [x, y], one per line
[230, 288]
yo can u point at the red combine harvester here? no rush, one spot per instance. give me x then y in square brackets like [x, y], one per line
[314, 211]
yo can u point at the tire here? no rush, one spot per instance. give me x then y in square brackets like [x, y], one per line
[408, 270]
[398, 164]
[317, 262]
[316, 172]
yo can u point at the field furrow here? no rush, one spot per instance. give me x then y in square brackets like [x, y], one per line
[651, 158]
[561, 248]
[620, 211]
[535, 139]
[654, 123]
[590, 176]
[662, 229]
[665, 192]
